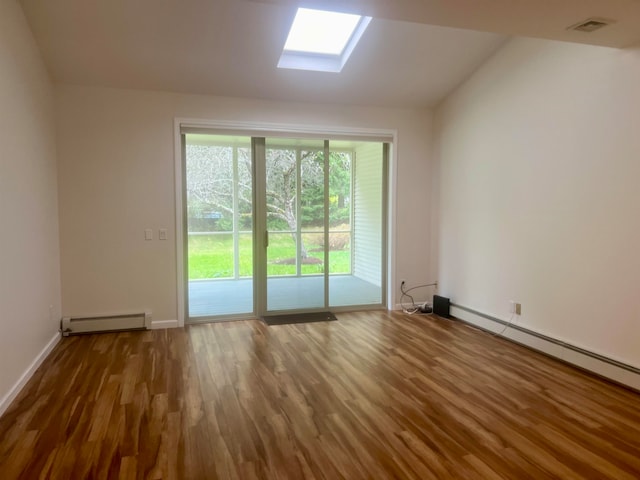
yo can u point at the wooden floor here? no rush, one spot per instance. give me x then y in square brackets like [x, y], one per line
[371, 396]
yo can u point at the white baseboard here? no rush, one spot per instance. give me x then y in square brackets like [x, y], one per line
[619, 372]
[158, 324]
[28, 373]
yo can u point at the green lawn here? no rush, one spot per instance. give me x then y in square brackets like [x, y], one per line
[211, 256]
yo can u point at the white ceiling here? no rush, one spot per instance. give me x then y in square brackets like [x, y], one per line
[232, 47]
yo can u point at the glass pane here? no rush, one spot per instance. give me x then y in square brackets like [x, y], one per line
[340, 183]
[245, 190]
[340, 172]
[340, 252]
[209, 188]
[281, 254]
[210, 255]
[312, 194]
[313, 262]
[219, 225]
[355, 216]
[246, 254]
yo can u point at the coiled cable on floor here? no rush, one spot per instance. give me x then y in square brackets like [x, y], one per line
[405, 293]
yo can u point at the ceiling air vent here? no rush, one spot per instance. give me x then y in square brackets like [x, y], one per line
[590, 25]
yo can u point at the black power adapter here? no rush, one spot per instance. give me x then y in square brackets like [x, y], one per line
[441, 306]
[424, 308]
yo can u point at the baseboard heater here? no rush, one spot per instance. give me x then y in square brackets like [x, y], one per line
[105, 323]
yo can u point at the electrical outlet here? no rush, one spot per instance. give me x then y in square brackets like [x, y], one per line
[515, 308]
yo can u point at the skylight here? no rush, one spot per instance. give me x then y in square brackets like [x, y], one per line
[321, 40]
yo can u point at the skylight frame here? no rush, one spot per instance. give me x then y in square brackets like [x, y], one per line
[323, 62]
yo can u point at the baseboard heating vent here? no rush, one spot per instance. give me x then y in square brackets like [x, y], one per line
[105, 323]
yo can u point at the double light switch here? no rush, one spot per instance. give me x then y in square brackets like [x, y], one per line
[148, 234]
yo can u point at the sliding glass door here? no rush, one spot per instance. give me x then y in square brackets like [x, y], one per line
[277, 225]
[219, 219]
[357, 223]
[295, 224]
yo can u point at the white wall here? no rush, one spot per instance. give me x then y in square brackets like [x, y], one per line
[116, 162]
[539, 164]
[29, 253]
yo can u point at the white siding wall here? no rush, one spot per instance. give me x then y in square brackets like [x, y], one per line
[367, 215]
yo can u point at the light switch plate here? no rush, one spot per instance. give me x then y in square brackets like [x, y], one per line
[148, 234]
[162, 234]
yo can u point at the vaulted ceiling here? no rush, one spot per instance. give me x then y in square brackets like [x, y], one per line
[412, 55]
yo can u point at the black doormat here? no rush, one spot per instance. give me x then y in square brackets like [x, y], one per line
[299, 318]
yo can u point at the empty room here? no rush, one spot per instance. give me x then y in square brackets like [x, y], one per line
[285, 239]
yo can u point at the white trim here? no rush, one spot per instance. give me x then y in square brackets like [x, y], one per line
[159, 324]
[13, 392]
[254, 129]
[582, 360]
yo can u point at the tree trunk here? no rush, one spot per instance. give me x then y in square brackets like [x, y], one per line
[293, 226]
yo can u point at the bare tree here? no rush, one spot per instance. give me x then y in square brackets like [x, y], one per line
[210, 181]
[281, 175]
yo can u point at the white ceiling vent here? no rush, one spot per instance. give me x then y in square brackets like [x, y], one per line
[591, 25]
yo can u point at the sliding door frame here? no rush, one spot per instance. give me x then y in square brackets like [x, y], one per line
[326, 223]
[258, 151]
[388, 137]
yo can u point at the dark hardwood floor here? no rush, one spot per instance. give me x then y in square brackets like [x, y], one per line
[371, 396]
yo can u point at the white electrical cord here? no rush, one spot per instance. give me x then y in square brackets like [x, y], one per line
[414, 308]
[509, 323]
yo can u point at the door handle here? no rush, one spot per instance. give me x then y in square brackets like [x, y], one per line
[266, 238]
